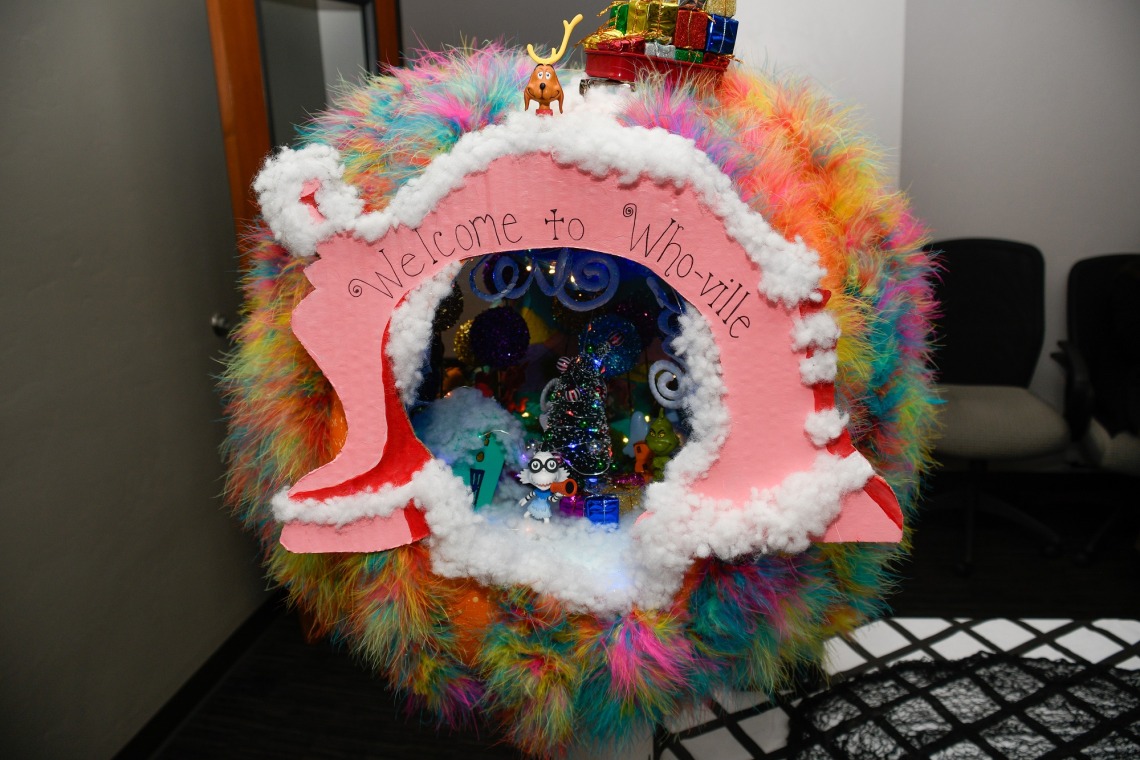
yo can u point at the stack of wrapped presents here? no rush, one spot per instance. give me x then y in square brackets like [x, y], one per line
[674, 37]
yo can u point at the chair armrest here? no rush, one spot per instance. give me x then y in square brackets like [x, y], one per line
[1078, 388]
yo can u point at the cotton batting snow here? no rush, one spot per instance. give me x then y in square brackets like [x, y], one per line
[290, 175]
[410, 333]
[816, 330]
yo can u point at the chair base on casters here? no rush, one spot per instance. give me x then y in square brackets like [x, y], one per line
[1085, 555]
[975, 501]
[991, 505]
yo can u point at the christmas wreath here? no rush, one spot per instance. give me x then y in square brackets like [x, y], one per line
[606, 590]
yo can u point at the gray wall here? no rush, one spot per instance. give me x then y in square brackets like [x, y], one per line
[294, 76]
[434, 24]
[1021, 120]
[119, 571]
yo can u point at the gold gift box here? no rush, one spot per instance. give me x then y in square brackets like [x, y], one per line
[637, 22]
[662, 21]
[599, 38]
[721, 7]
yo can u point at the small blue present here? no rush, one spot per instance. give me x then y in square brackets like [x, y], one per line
[722, 35]
[602, 510]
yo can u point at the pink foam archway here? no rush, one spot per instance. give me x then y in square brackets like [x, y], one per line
[530, 201]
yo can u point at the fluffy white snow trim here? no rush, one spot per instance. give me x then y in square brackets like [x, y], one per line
[826, 425]
[282, 182]
[821, 367]
[583, 565]
[341, 510]
[589, 137]
[681, 524]
[409, 335]
[703, 394]
[816, 330]
[785, 518]
[607, 572]
[589, 568]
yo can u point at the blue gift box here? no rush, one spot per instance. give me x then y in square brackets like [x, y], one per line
[602, 510]
[722, 35]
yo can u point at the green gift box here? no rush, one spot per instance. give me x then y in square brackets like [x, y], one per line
[690, 56]
[619, 16]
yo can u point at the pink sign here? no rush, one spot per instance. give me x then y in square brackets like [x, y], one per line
[529, 201]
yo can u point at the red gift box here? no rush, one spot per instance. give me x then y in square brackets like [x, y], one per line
[719, 61]
[630, 44]
[692, 30]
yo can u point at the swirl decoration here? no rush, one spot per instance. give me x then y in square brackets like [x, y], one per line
[565, 274]
[667, 383]
[590, 273]
[506, 277]
[667, 377]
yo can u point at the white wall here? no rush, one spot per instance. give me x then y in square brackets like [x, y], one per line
[854, 50]
[1021, 120]
[120, 572]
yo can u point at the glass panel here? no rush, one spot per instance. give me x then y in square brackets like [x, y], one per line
[308, 47]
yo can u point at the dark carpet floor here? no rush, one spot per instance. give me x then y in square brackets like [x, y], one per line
[284, 698]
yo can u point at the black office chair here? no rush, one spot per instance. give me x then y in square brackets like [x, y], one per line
[988, 342]
[1102, 371]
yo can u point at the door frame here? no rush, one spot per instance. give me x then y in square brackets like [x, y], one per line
[242, 98]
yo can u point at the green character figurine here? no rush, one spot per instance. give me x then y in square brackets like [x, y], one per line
[660, 443]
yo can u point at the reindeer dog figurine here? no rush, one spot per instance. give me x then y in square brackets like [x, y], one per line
[544, 87]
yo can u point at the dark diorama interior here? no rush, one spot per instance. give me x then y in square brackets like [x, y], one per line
[573, 347]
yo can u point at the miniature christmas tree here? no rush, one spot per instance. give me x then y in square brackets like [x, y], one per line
[576, 417]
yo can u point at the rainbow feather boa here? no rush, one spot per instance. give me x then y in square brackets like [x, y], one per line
[547, 677]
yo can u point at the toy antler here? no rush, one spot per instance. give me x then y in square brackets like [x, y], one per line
[557, 55]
